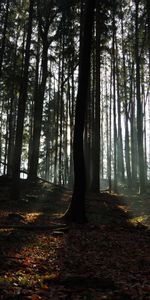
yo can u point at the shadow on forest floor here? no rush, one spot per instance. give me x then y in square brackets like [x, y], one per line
[107, 258]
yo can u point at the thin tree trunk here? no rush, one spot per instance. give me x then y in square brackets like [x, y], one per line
[21, 109]
[38, 112]
[71, 117]
[139, 106]
[110, 132]
[114, 103]
[102, 140]
[12, 118]
[96, 140]
[120, 143]
[48, 136]
[57, 122]
[61, 115]
[133, 129]
[35, 95]
[93, 65]
[4, 37]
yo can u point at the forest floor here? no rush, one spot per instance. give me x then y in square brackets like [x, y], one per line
[42, 258]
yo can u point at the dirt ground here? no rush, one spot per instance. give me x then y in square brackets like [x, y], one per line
[42, 258]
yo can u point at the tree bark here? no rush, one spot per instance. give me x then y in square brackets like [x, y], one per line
[38, 110]
[114, 101]
[127, 146]
[120, 142]
[21, 109]
[139, 106]
[96, 139]
[4, 37]
[76, 210]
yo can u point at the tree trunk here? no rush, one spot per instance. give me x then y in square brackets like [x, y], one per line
[114, 102]
[133, 129]
[35, 95]
[12, 118]
[76, 210]
[4, 37]
[139, 107]
[61, 115]
[48, 136]
[127, 146]
[38, 111]
[57, 106]
[120, 143]
[96, 139]
[21, 109]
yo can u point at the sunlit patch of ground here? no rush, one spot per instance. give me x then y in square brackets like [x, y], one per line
[32, 217]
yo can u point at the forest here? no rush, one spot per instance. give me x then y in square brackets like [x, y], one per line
[74, 149]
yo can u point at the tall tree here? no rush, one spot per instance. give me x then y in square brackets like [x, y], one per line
[44, 25]
[96, 138]
[139, 103]
[127, 146]
[120, 164]
[4, 36]
[76, 210]
[22, 107]
[114, 94]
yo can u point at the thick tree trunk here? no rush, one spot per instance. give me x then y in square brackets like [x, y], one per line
[76, 210]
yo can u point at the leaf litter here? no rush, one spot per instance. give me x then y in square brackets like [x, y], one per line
[107, 258]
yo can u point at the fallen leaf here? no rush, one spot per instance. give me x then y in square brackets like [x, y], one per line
[36, 297]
